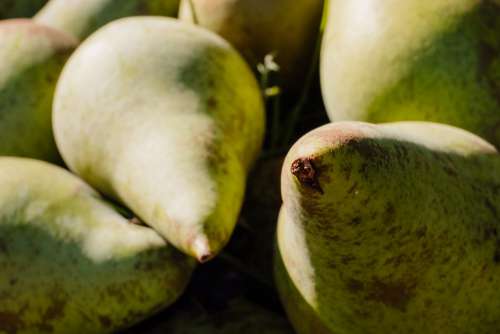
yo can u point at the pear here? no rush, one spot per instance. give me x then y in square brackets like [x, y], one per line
[70, 263]
[391, 228]
[31, 58]
[166, 118]
[421, 60]
[288, 29]
[80, 18]
[19, 8]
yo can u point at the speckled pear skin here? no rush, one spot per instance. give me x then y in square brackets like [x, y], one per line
[167, 118]
[19, 8]
[70, 263]
[81, 18]
[393, 228]
[31, 58]
[414, 60]
[259, 27]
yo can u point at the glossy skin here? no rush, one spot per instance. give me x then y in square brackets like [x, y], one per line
[166, 118]
[260, 27]
[414, 60]
[31, 58]
[81, 18]
[70, 263]
[393, 228]
[19, 8]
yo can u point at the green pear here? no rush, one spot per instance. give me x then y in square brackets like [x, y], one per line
[421, 60]
[70, 263]
[288, 29]
[31, 58]
[391, 228]
[166, 118]
[81, 18]
[240, 316]
[19, 8]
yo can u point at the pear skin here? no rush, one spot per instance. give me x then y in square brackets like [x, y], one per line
[392, 228]
[19, 8]
[166, 118]
[420, 60]
[289, 29]
[70, 263]
[81, 18]
[31, 58]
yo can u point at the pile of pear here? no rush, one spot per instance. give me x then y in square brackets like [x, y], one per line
[160, 122]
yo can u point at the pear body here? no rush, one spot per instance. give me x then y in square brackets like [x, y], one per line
[167, 118]
[393, 228]
[82, 18]
[289, 29]
[19, 8]
[31, 58]
[70, 263]
[416, 60]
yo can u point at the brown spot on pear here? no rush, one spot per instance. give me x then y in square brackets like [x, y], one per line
[395, 232]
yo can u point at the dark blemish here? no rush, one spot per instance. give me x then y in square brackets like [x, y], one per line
[490, 233]
[346, 259]
[105, 321]
[351, 190]
[421, 232]
[354, 286]
[13, 281]
[428, 303]
[346, 170]
[212, 102]
[492, 208]
[450, 171]
[55, 310]
[496, 255]
[355, 222]
[393, 294]
[11, 322]
[3, 247]
[305, 172]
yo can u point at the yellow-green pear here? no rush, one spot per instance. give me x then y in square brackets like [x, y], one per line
[81, 18]
[167, 118]
[70, 263]
[391, 228]
[423, 60]
[19, 8]
[289, 29]
[31, 58]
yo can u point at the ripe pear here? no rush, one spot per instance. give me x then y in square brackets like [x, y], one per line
[420, 60]
[81, 18]
[19, 8]
[391, 228]
[31, 58]
[166, 118]
[70, 263]
[289, 29]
